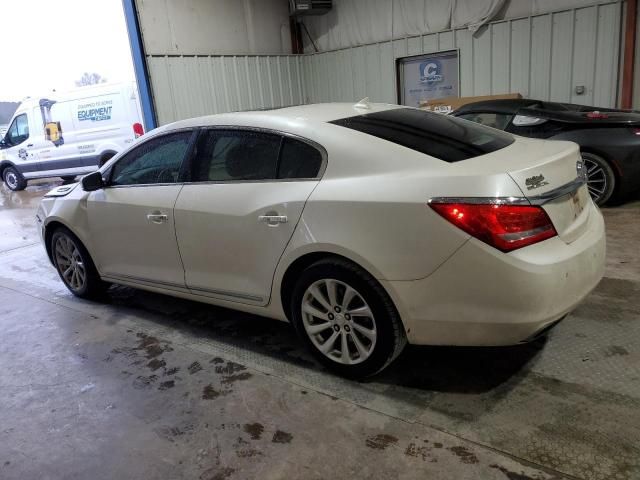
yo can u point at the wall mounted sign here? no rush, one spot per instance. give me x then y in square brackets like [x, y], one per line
[426, 77]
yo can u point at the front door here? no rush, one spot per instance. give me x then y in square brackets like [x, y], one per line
[131, 220]
[20, 145]
[235, 219]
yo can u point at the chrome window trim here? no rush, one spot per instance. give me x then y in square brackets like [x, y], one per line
[538, 200]
[312, 143]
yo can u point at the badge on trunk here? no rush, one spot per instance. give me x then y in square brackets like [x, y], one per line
[536, 181]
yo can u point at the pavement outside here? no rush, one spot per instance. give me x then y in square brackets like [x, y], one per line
[148, 386]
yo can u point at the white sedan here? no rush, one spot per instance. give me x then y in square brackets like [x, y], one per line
[367, 226]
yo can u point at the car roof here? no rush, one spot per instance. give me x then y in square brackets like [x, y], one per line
[313, 113]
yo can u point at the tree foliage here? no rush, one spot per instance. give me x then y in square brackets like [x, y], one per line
[90, 79]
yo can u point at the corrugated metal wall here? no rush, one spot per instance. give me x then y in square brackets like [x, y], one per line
[190, 86]
[544, 56]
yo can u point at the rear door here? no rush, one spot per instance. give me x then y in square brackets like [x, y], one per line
[235, 218]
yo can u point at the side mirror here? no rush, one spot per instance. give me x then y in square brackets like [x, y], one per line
[92, 182]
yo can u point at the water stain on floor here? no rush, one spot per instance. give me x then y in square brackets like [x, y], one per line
[381, 441]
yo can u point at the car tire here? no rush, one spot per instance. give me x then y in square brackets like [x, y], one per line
[13, 179]
[328, 322]
[601, 179]
[75, 266]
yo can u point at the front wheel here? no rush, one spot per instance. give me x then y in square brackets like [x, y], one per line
[75, 266]
[14, 179]
[601, 179]
[346, 318]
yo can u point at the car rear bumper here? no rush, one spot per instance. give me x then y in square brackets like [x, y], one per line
[483, 297]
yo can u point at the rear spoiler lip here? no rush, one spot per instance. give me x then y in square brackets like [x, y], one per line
[579, 117]
[541, 199]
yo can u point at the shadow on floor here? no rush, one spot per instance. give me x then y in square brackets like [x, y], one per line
[433, 369]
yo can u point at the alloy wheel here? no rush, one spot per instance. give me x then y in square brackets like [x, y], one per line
[597, 181]
[70, 263]
[339, 321]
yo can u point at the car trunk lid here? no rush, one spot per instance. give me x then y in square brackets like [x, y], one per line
[547, 174]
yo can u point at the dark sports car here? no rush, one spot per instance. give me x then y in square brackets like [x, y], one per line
[609, 139]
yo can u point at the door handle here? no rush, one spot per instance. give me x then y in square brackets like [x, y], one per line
[157, 217]
[30, 145]
[273, 220]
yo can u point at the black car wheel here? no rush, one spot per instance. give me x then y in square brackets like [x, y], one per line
[13, 179]
[601, 179]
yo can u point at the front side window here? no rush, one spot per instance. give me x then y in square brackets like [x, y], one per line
[18, 131]
[232, 155]
[440, 136]
[155, 161]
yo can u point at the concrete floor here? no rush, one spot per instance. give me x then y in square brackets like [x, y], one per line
[146, 386]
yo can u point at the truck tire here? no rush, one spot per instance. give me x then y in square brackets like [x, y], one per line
[14, 179]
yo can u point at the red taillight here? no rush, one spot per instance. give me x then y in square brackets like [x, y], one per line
[505, 227]
[597, 115]
[138, 129]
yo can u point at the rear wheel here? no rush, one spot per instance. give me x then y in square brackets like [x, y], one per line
[75, 266]
[14, 179]
[346, 318]
[601, 179]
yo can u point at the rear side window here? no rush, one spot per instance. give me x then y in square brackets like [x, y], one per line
[443, 137]
[232, 155]
[299, 160]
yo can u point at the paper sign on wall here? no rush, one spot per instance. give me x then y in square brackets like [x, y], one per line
[427, 77]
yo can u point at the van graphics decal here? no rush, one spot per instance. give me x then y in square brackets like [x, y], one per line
[95, 111]
[88, 148]
[22, 153]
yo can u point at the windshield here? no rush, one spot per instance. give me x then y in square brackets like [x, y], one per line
[446, 138]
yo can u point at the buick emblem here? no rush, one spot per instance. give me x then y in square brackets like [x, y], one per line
[536, 181]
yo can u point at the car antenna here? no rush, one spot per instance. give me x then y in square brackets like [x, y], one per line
[364, 103]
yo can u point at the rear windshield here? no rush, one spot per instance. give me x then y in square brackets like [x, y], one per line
[443, 137]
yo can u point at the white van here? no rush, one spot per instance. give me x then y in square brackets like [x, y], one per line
[69, 134]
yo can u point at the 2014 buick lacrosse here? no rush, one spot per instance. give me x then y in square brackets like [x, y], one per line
[367, 226]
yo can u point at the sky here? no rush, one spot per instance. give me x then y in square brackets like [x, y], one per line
[48, 45]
